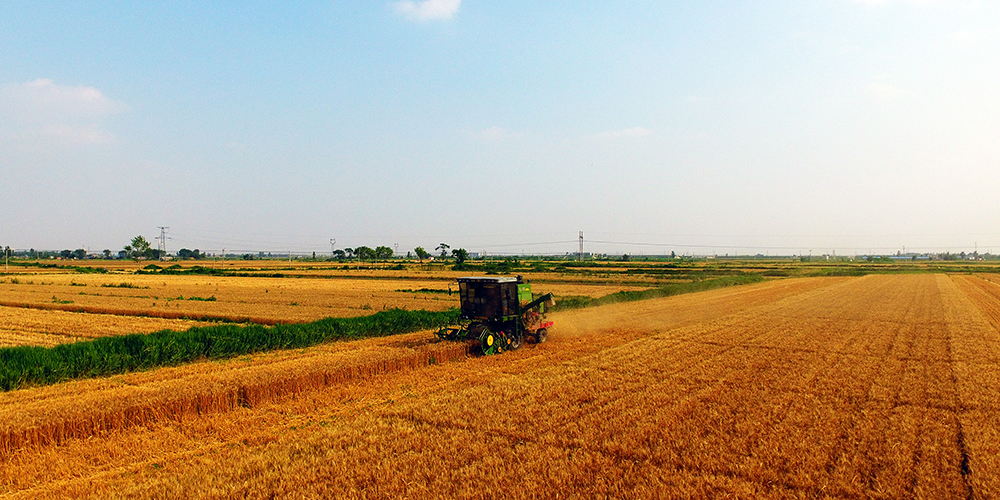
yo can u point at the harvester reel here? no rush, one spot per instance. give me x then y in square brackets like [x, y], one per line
[450, 333]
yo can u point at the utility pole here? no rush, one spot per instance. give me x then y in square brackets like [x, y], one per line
[580, 256]
[162, 247]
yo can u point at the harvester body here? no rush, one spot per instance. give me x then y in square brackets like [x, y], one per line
[499, 313]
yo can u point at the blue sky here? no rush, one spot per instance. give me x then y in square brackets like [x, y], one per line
[777, 127]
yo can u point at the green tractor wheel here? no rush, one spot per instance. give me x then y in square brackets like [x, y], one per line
[489, 341]
[502, 342]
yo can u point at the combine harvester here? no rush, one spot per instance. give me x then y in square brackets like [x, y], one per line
[499, 313]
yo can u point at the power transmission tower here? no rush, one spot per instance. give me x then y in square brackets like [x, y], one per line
[162, 245]
[333, 244]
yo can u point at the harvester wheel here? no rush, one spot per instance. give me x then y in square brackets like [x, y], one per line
[542, 335]
[489, 341]
[503, 342]
[516, 341]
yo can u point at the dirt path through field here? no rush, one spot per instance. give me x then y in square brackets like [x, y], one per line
[882, 386]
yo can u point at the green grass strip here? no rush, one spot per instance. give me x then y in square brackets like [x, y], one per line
[35, 366]
[577, 302]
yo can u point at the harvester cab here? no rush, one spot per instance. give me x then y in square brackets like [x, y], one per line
[499, 313]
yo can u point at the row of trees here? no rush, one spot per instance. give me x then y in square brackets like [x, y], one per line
[384, 253]
[460, 254]
[364, 253]
[139, 248]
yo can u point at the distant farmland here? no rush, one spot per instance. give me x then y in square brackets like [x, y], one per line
[882, 385]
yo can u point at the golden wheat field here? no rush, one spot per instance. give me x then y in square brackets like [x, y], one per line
[46, 309]
[883, 386]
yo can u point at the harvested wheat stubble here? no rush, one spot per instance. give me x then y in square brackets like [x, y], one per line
[20, 326]
[747, 409]
[711, 408]
[256, 299]
[458, 377]
[74, 467]
[882, 386]
[975, 349]
[14, 337]
[44, 416]
[146, 313]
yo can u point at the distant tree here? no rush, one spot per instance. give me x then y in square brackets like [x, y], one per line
[383, 253]
[79, 254]
[107, 253]
[461, 255]
[443, 248]
[122, 254]
[364, 253]
[139, 248]
[66, 254]
[339, 254]
[421, 253]
[195, 254]
[350, 252]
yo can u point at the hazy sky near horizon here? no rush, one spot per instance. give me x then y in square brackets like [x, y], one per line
[772, 127]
